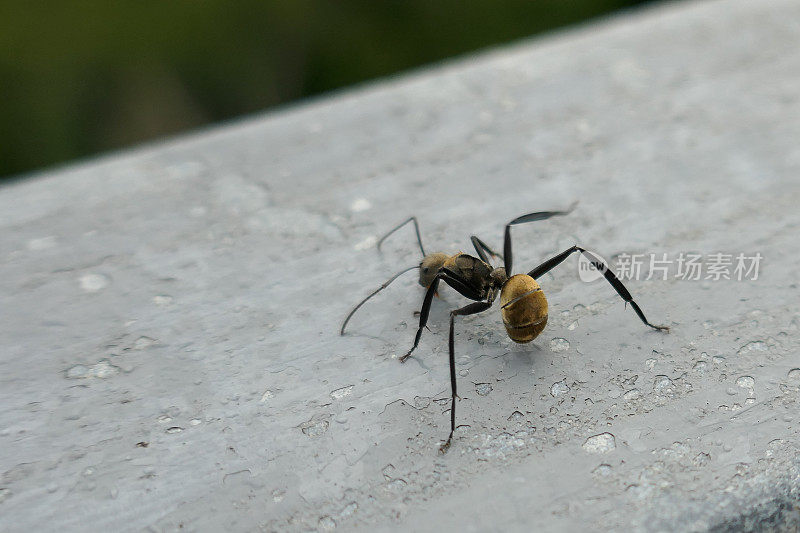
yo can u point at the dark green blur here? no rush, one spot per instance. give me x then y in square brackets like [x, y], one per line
[77, 78]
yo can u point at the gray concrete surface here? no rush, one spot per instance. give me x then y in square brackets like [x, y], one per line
[169, 356]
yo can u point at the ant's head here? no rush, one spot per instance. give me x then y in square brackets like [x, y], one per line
[430, 266]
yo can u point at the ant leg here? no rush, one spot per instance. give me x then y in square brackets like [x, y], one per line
[455, 281]
[599, 265]
[423, 314]
[379, 289]
[482, 248]
[530, 217]
[471, 309]
[416, 228]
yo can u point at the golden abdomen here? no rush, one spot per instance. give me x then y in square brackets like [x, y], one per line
[526, 318]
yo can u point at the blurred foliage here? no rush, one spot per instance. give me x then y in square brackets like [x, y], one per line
[79, 77]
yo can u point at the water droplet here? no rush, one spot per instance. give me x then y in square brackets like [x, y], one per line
[388, 471]
[776, 444]
[633, 394]
[746, 382]
[396, 485]
[77, 372]
[731, 391]
[315, 427]
[277, 495]
[42, 243]
[559, 345]
[650, 363]
[787, 418]
[602, 470]
[516, 416]
[421, 402]
[348, 510]
[794, 374]
[700, 366]
[162, 299]
[143, 342]
[94, 282]
[463, 373]
[483, 389]
[602, 443]
[326, 523]
[558, 388]
[750, 401]
[174, 429]
[195, 421]
[663, 385]
[103, 369]
[754, 346]
[573, 325]
[701, 459]
[338, 394]
[267, 395]
[360, 204]
[367, 243]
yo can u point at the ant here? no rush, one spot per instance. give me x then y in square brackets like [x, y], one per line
[523, 305]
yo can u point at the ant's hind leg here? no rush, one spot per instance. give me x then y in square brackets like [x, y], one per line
[607, 273]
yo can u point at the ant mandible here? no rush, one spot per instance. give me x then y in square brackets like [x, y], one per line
[523, 305]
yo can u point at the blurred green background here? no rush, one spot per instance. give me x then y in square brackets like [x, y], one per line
[77, 78]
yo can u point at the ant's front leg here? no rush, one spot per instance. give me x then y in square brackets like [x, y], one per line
[455, 281]
[423, 314]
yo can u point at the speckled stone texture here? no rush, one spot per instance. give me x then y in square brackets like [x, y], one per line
[169, 348]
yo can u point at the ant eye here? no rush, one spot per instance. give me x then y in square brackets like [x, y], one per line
[425, 270]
